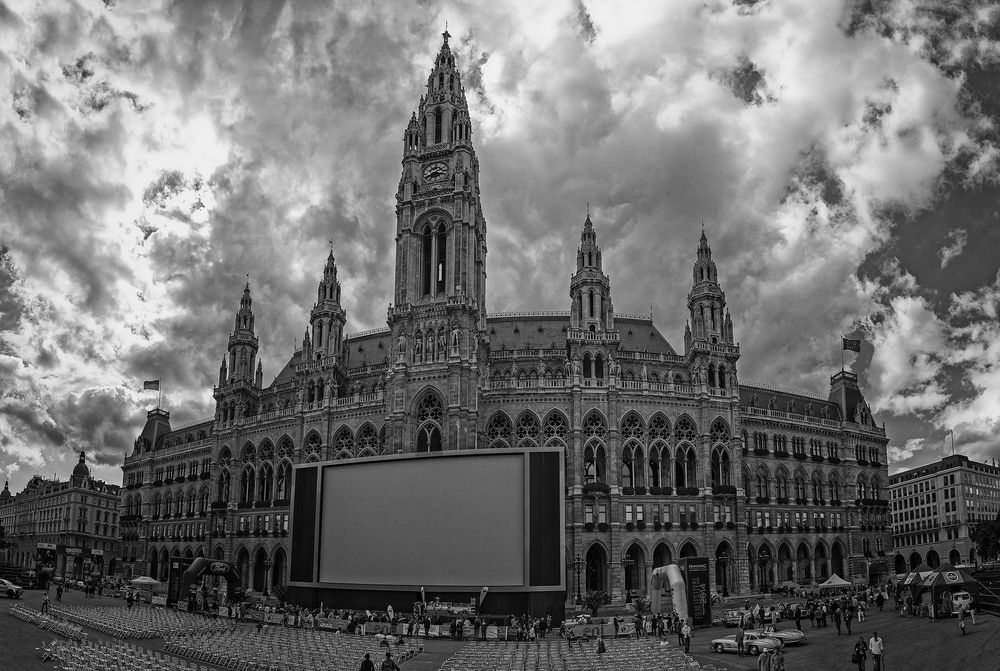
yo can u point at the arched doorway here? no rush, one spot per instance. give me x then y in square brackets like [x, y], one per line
[689, 549]
[219, 554]
[786, 567]
[914, 560]
[972, 556]
[955, 557]
[765, 562]
[724, 574]
[803, 564]
[837, 554]
[822, 563]
[243, 566]
[258, 570]
[164, 568]
[752, 566]
[635, 571]
[278, 568]
[154, 564]
[661, 555]
[933, 560]
[899, 564]
[597, 569]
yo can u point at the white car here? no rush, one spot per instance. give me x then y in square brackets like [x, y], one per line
[753, 643]
[10, 589]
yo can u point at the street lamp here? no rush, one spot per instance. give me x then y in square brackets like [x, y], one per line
[724, 560]
[626, 562]
[763, 557]
[267, 569]
[578, 565]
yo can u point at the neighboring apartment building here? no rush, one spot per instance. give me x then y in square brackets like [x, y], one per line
[935, 507]
[70, 526]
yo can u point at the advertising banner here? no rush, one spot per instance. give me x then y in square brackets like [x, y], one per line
[698, 589]
[492, 632]
[159, 600]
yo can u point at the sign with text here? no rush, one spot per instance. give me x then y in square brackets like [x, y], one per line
[698, 589]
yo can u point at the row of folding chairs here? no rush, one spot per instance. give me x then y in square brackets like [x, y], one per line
[142, 622]
[286, 649]
[117, 655]
[48, 622]
[559, 655]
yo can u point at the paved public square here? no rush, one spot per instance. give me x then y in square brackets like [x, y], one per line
[913, 644]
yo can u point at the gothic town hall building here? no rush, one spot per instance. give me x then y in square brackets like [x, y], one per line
[668, 452]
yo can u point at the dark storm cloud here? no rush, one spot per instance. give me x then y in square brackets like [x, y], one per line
[588, 31]
[12, 306]
[747, 82]
[101, 421]
[32, 417]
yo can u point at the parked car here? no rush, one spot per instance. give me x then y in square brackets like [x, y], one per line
[786, 636]
[10, 589]
[731, 618]
[754, 643]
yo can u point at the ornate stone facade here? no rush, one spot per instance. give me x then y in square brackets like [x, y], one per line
[668, 454]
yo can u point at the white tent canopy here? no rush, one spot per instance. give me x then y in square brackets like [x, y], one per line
[145, 580]
[834, 581]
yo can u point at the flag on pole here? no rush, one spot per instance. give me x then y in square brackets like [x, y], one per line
[850, 344]
[153, 385]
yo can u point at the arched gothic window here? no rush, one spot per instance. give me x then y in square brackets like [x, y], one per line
[438, 116]
[685, 466]
[498, 431]
[555, 429]
[265, 483]
[633, 462]
[284, 480]
[594, 462]
[223, 485]
[685, 429]
[526, 432]
[429, 415]
[367, 441]
[247, 484]
[721, 466]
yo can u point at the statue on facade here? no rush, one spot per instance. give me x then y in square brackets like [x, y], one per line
[401, 347]
[441, 351]
[418, 348]
[455, 335]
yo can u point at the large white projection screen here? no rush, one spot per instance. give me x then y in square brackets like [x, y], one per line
[424, 521]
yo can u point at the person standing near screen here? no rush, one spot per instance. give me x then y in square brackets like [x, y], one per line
[367, 664]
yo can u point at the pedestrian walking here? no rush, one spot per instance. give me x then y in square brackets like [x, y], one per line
[972, 609]
[860, 653]
[686, 635]
[877, 647]
[798, 618]
[836, 620]
[601, 648]
[389, 664]
[847, 620]
[59, 591]
[739, 641]
[777, 660]
[961, 620]
[764, 661]
[367, 664]
[45, 604]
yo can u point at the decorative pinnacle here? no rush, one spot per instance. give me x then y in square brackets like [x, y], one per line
[445, 34]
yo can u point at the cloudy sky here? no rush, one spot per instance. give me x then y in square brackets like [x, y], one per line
[844, 158]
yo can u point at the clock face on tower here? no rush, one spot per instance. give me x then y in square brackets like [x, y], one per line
[435, 171]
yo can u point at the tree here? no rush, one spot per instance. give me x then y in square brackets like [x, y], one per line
[594, 600]
[641, 604]
[986, 535]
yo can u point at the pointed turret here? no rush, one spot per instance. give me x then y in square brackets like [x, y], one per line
[327, 318]
[590, 288]
[709, 342]
[243, 342]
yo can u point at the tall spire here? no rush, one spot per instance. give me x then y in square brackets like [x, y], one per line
[590, 288]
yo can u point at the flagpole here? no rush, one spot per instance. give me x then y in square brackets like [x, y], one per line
[841, 352]
[159, 393]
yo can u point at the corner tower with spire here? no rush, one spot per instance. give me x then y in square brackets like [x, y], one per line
[708, 336]
[438, 316]
[240, 375]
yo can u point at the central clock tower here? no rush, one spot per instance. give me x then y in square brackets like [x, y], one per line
[438, 316]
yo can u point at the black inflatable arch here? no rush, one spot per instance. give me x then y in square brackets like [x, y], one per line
[201, 565]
